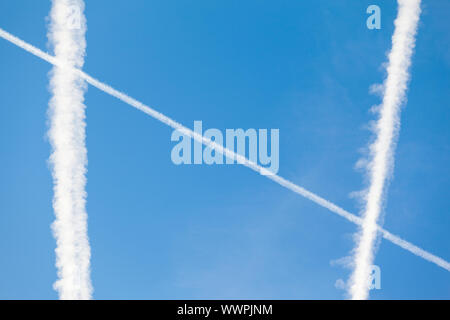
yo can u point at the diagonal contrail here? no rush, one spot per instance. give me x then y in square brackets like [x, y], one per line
[69, 155]
[188, 132]
[382, 150]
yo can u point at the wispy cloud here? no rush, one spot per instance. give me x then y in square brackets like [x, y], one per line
[381, 164]
[69, 155]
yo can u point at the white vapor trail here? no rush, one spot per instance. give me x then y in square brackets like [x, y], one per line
[175, 125]
[382, 150]
[69, 156]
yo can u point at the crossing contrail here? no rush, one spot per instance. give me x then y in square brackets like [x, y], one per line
[382, 150]
[188, 132]
[68, 160]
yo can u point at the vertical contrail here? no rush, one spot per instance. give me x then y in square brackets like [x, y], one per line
[69, 156]
[382, 150]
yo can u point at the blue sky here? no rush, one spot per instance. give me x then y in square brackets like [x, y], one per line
[161, 231]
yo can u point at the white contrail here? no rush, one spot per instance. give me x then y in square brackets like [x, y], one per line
[69, 156]
[175, 125]
[383, 148]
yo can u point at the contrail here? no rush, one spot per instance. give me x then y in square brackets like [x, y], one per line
[175, 125]
[68, 160]
[382, 150]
